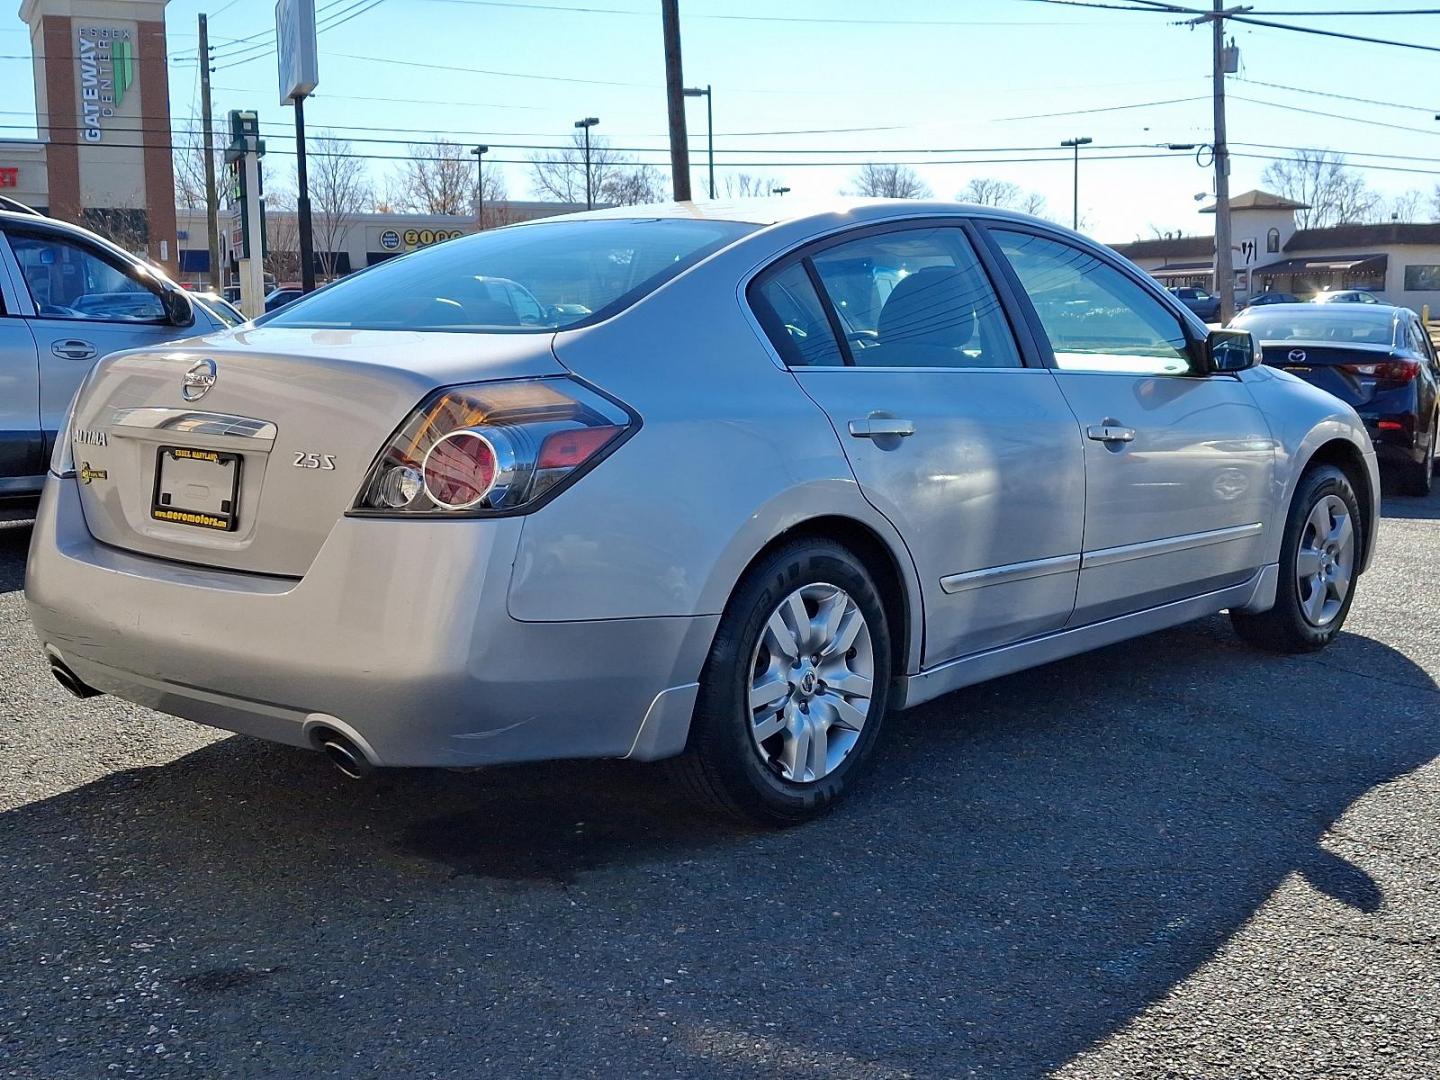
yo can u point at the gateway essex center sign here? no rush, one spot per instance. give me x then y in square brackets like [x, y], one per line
[106, 56]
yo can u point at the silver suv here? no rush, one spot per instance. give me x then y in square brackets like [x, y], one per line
[752, 477]
[68, 297]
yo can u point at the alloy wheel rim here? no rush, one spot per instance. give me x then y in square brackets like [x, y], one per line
[812, 683]
[1325, 561]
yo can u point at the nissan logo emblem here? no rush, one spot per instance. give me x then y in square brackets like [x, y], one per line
[198, 380]
[1297, 356]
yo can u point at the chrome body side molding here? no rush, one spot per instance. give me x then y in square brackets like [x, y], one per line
[1169, 545]
[995, 575]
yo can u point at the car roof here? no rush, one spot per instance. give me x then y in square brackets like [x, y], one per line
[774, 210]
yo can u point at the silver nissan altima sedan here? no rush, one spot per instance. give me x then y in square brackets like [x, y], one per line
[719, 483]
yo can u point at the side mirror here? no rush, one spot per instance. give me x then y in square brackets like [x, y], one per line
[179, 311]
[1230, 351]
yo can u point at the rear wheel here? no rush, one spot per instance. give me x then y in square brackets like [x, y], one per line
[794, 690]
[1419, 477]
[1319, 557]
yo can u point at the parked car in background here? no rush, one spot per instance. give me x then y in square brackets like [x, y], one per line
[796, 468]
[1377, 358]
[282, 296]
[1346, 296]
[219, 307]
[1202, 303]
[1267, 298]
[67, 298]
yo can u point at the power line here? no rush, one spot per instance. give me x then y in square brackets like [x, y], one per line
[1105, 108]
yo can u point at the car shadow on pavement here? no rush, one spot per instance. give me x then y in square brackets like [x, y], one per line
[1032, 862]
[14, 544]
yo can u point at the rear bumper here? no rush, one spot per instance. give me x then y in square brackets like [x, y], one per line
[397, 636]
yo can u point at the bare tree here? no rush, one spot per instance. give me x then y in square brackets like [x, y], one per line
[986, 191]
[339, 190]
[282, 234]
[560, 174]
[889, 182]
[747, 185]
[633, 185]
[439, 178]
[1335, 193]
[1405, 207]
[189, 158]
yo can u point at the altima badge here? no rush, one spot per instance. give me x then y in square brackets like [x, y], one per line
[87, 473]
[198, 380]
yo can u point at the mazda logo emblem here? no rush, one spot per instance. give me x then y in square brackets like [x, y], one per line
[1297, 356]
[198, 380]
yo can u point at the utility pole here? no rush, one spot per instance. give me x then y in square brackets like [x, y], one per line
[675, 101]
[1224, 249]
[480, 152]
[212, 199]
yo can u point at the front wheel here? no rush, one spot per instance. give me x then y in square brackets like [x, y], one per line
[1319, 558]
[794, 691]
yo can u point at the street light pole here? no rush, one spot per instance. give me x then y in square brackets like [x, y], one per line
[1075, 210]
[480, 152]
[586, 125]
[709, 127]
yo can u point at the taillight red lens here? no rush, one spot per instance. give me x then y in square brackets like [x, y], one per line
[460, 470]
[1388, 370]
[493, 448]
[566, 449]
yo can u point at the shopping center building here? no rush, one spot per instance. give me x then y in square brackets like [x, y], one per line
[1397, 261]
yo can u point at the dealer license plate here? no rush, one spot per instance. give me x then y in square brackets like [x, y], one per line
[196, 487]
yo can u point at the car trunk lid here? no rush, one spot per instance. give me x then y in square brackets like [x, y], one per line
[252, 471]
[1354, 373]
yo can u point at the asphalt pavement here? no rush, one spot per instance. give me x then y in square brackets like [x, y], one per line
[1175, 857]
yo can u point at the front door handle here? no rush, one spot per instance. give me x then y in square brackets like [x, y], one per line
[879, 427]
[73, 349]
[1110, 433]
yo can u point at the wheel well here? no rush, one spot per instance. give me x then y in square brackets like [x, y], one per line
[1347, 458]
[879, 561]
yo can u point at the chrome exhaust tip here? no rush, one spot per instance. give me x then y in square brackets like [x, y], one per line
[345, 755]
[70, 681]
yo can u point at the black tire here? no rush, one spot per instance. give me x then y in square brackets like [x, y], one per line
[1418, 477]
[722, 767]
[1284, 628]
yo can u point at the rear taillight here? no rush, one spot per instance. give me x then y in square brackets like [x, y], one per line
[1387, 370]
[490, 448]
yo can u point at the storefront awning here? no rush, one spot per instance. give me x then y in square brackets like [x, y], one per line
[1361, 264]
[1182, 269]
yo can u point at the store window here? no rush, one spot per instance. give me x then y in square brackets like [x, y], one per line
[1422, 277]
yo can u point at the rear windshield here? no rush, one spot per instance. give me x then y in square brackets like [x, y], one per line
[1311, 322]
[532, 278]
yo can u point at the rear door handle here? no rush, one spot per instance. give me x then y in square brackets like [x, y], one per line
[73, 349]
[1110, 433]
[879, 427]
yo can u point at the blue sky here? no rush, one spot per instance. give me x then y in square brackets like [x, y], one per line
[950, 76]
